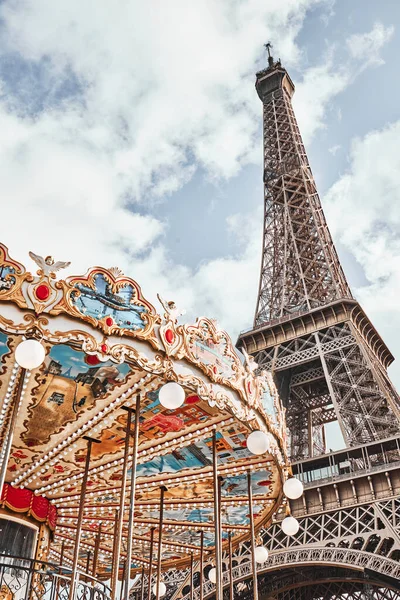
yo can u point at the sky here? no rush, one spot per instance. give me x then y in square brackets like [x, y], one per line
[131, 136]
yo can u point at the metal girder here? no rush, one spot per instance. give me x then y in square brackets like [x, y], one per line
[305, 557]
[300, 268]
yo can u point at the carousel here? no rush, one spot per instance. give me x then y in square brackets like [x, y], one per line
[131, 446]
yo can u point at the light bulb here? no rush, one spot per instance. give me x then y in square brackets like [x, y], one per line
[162, 589]
[212, 575]
[261, 554]
[290, 525]
[30, 354]
[171, 395]
[293, 488]
[257, 442]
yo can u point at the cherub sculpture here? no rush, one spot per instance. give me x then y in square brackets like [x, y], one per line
[172, 312]
[47, 266]
[249, 363]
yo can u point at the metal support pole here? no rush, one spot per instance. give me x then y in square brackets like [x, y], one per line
[217, 523]
[5, 454]
[122, 493]
[142, 585]
[201, 563]
[159, 549]
[220, 532]
[191, 576]
[74, 569]
[252, 537]
[123, 579]
[62, 552]
[96, 551]
[60, 571]
[114, 566]
[88, 557]
[230, 567]
[132, 497]
[150, 562]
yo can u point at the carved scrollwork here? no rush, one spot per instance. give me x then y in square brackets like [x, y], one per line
[12, 276]
[112, 303]
[212, 350]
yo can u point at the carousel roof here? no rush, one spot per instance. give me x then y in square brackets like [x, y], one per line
[105, 344]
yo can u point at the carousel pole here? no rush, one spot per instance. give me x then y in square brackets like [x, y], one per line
[88, 557]
[5, 454]
[252, 537]
[96, 551]
[142, 585]
[61, 562]
[123, 578]
[217, 522]
[62, 551]
[220, 479]
[132, 497]
[159, 549]
[114, 566]
[201, 563]
[191, 576]
[150, 562]
[74, 569]
[122, 493]
[230, 568]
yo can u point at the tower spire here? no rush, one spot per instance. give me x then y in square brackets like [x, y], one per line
[268, 47]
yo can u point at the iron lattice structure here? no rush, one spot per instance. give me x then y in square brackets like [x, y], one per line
[330, 364]
[329, 361]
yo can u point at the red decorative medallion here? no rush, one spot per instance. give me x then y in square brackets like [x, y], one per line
[91, 359]
[249, 388]
[215, 369]
[104, 348]
[169, 336]
[42, 292]
[109, 321]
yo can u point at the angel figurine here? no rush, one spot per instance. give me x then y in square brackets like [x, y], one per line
[172, 312]
[250, 364]
[47, 266]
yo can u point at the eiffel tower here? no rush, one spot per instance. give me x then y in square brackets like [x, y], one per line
[330, 365]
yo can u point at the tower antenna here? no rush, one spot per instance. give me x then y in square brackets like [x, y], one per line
[268, 46]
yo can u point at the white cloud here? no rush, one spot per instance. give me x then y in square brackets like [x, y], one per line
[334, 149]
[156, 90]
[363, 210]
[366, 46]
[315, 92]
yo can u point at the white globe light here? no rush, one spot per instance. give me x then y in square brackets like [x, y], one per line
[163, 589]
[212, 575]
[30, 354]
[171, 395]
[290, 526]
[293, 488]
[257, 442]
[261, 554]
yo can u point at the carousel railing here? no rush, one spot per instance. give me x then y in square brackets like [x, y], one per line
[27, 579]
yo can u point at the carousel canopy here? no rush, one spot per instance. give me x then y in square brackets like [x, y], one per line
[105, 344]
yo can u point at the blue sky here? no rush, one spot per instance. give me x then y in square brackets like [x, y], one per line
[131, 135]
